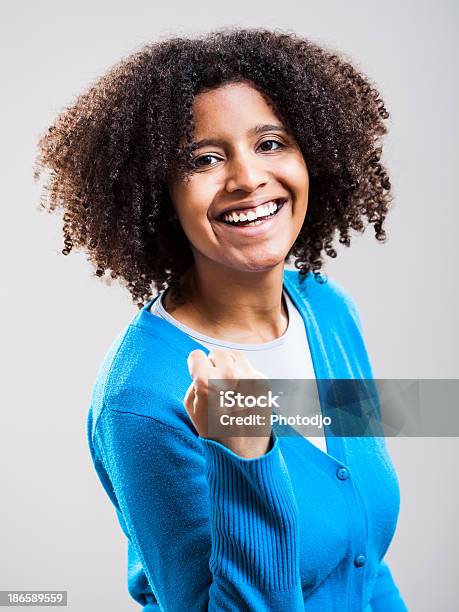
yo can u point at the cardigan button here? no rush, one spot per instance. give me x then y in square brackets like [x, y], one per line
[342, 473]
[360, 560]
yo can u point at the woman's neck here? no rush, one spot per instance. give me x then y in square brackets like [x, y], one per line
[233, 306]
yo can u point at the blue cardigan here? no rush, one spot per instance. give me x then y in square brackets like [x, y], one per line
[295, 529]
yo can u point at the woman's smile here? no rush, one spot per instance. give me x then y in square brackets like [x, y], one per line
[256, 223]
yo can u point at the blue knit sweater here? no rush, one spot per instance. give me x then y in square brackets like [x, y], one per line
[295, 529]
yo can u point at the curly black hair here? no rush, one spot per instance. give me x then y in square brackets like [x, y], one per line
[111, 154]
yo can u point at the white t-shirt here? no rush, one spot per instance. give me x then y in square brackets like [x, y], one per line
[286, 357]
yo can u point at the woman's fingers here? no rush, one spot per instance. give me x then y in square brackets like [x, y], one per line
[221, 358]
[221, 365]
[200, 367]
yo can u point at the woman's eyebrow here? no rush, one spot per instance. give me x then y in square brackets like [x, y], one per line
[255, 131]
[267, 127]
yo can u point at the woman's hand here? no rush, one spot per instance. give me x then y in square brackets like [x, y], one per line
[202, 400]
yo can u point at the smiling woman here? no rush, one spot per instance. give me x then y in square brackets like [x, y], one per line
[197, 167]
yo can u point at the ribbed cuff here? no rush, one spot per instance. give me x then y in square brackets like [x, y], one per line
[254, 517]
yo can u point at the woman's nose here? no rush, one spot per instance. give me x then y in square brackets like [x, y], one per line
[247, 173]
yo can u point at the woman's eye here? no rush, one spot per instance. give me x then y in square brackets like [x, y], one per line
[269, 144]
[204, 161]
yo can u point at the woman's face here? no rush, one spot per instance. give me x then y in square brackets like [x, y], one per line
[246, 161]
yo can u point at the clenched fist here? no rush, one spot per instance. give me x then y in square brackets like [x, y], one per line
[202, 395]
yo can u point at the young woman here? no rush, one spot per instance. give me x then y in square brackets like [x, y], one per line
[203, 166]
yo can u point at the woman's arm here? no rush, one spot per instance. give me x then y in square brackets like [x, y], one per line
[213, 531]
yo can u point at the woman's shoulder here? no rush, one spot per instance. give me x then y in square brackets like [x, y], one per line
[323, 294]
[144, 372]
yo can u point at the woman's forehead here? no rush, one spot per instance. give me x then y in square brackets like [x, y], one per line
[232, 106]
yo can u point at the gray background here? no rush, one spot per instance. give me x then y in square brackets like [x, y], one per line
[58, 528]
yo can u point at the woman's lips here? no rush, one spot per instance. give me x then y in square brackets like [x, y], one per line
[254, 230]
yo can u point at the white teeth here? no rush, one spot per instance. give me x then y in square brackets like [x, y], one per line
[261, 211]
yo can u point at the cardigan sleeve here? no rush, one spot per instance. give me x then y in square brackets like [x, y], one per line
[212, 530]
[386, 596]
